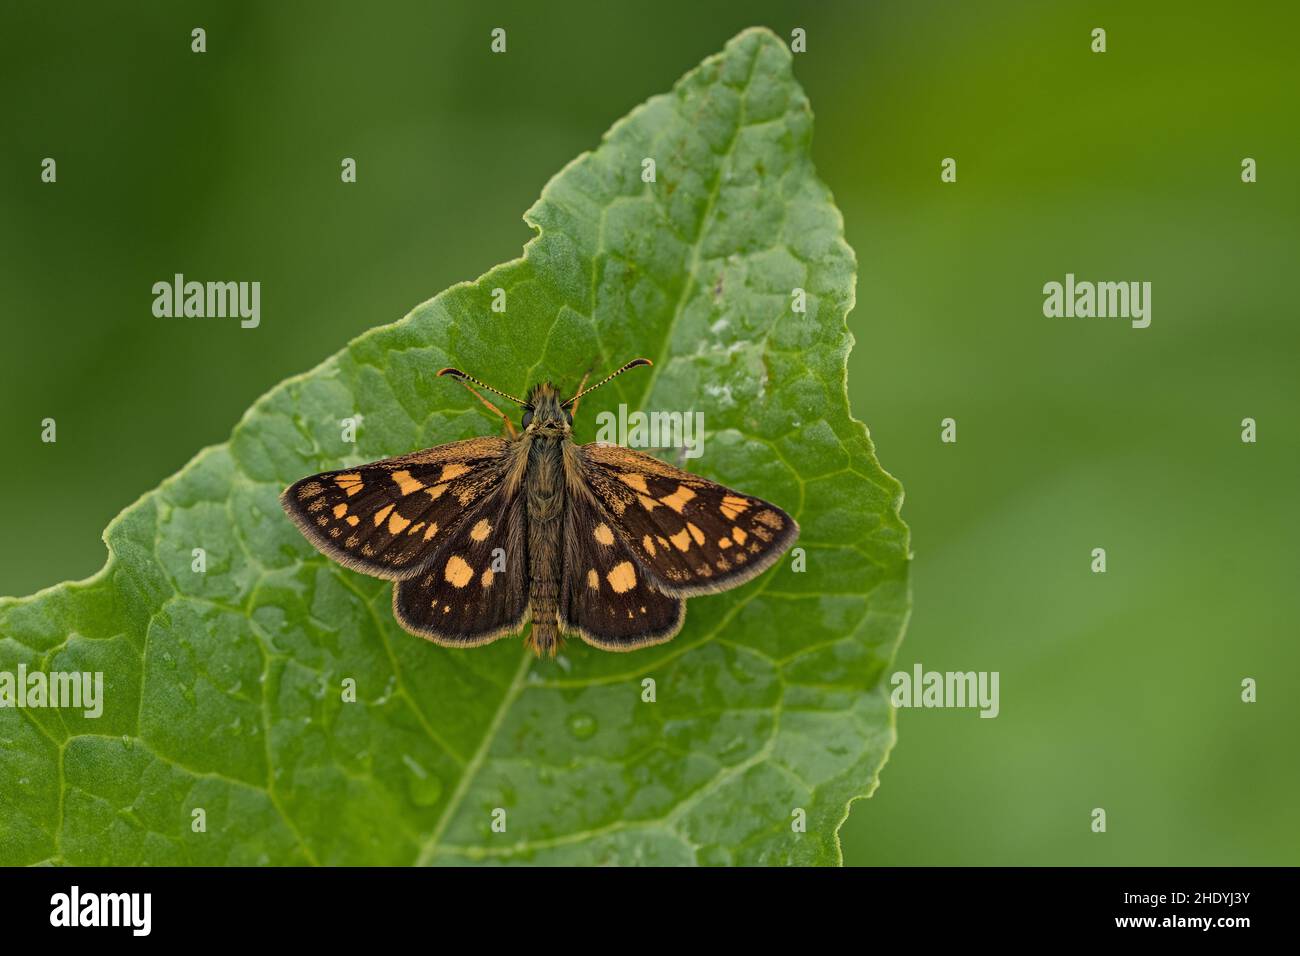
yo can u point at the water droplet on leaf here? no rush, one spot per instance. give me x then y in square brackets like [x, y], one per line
[582, 726]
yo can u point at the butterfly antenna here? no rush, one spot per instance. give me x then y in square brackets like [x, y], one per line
[632, 364]
[465, 379]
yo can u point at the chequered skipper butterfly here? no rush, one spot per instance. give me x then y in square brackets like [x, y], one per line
[483, 535]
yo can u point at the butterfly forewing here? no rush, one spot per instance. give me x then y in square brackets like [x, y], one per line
[692, 535]
[390, 518]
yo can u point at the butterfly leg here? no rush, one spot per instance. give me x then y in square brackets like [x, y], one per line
[510, 426]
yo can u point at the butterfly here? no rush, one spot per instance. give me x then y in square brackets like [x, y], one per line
[484, 535]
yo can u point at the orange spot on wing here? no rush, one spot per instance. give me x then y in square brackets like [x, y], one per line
[382, 515]
[733, 506]
[405, 483]
[681, 540]
[350, 482]
[396, 523]
[696, 533]
[453, 471]
[481, 530]
[340, 510]
[458, 572]
[677, 500]
[634, 481]
[603, 535]
[622, 577]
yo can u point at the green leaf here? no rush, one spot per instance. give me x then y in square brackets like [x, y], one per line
[223, 689]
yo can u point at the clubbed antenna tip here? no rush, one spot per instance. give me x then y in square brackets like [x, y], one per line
[466, 379]
[632, 364]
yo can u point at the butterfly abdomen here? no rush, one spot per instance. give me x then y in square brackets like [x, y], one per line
[544, 491]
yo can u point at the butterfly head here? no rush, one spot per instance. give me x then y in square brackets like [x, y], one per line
[545, 413]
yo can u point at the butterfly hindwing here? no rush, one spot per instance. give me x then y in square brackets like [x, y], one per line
[476, 587]
[606, 597]
[389, 518]
[693, 535]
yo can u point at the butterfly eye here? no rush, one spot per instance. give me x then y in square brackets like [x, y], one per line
[528, 418]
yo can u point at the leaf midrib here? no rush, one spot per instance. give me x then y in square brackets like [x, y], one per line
[508, 699]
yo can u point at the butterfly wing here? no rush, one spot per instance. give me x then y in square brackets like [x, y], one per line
[693, 536]
[390, 518]
[606, 597]
[476, 587]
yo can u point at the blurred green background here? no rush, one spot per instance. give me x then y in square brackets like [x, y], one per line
[1118, 691]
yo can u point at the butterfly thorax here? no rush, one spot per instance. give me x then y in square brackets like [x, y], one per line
[546, 429]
